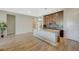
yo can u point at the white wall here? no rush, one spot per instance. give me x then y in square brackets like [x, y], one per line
[2, 16]
[71, 24]
[23, 23]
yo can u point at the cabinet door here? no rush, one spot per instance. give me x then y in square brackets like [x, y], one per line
[53, 37]
[46, 20]
[47, 35]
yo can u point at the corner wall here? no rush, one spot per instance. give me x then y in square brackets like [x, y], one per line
[2, 16]
[71, 23]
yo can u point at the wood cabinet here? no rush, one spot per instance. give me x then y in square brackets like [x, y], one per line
[54, 17]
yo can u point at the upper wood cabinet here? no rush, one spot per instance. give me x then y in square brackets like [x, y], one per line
[54, 17]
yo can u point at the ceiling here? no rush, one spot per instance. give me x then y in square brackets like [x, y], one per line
[32, 11]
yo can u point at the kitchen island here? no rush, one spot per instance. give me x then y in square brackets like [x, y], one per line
[48, 35]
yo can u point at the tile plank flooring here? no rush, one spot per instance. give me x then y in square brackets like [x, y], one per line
[27, 42]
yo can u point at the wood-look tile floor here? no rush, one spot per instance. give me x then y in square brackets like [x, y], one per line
[27, 42]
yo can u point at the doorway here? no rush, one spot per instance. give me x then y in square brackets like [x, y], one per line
[10, 24]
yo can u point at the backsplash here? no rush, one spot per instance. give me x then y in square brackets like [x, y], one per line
[54, 26]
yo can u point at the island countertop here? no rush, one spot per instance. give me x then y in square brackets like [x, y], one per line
[51, 30]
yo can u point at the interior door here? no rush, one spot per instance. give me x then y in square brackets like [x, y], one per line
[10, 24]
